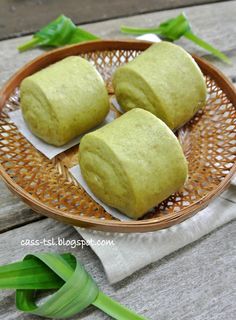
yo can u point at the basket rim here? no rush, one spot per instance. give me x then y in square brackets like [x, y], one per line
[102, 224]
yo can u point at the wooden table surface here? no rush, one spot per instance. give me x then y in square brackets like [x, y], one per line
[198, 281]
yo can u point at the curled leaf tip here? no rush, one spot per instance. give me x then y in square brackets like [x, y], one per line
[175, 28]
[59, 32]
[76, 289]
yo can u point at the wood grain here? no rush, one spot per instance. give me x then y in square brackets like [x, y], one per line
[13, 212]
[24, 17]
[189, 284]
[195, 283]
[213, 22]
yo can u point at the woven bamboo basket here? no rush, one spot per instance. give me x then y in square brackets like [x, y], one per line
[208, 141]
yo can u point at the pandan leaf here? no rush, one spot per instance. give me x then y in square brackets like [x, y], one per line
[59, 32]
[175, 28]
[76, 288]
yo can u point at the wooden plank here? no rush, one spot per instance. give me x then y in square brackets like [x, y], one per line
[197, 282]
[214, 22]
[185, 285]
[24, 17]
[13, 212]
[207, 20]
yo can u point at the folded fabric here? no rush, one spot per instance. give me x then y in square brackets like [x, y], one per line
[133, 251]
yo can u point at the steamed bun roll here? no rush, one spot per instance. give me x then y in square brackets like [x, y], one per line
[64, 100]
[133, 163]
[164, 80]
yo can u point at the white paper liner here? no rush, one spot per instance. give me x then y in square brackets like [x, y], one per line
[48, 150]
[116, 105]
[76, 172]
[149, 37]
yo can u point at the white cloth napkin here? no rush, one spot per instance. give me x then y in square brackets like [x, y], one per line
[132, 252]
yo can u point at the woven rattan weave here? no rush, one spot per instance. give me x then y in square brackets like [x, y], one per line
[208, 140]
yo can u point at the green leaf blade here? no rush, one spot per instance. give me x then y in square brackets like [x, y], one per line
[28, 275]
[114, 309]
[81, 35]
[208, 47]
[171, 29]
[59, 32]
[34, 42]
[76, 288]
[175, 28]
[32, 274]
[139, 31]
[78, 291]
